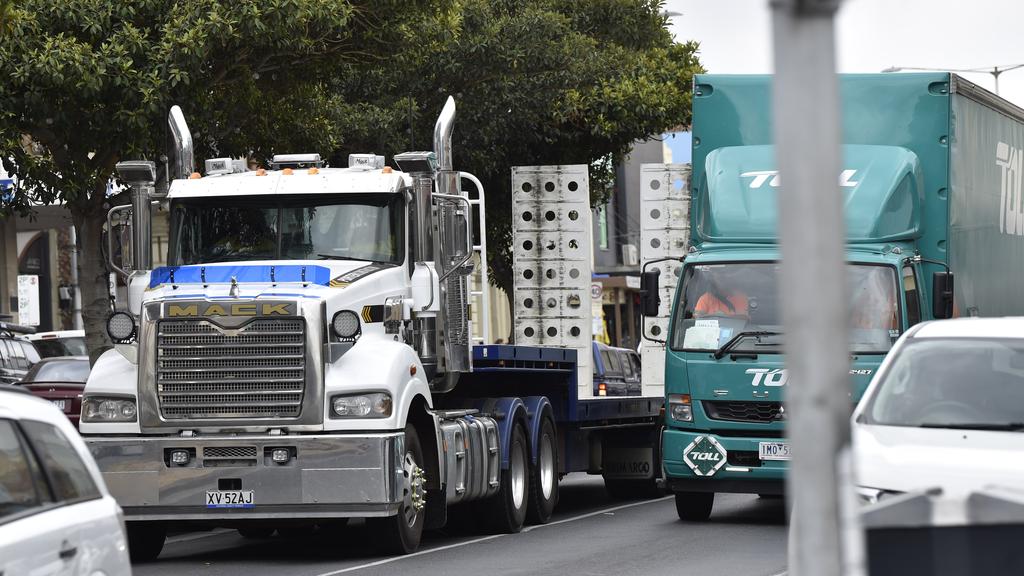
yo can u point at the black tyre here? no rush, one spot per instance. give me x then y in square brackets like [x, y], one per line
[146, 540]
[506, 511]
[400, 534]
[256, 532]
[544, 476]
[694, 506]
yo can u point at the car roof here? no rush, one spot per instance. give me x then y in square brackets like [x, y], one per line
[1008, 327]
[16, 403]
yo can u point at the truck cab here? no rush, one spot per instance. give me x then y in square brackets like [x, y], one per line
[725, 375]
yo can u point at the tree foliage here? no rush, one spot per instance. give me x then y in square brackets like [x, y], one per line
[89, 83]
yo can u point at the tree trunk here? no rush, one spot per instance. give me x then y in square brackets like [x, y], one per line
[89, 218]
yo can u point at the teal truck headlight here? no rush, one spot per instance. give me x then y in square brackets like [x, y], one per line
[679, 407]
[108, 409]
[372, 405]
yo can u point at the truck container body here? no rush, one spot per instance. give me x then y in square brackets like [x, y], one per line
[931, 180]
[308, 356]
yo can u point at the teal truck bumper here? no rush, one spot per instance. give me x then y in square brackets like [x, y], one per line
[698, 461]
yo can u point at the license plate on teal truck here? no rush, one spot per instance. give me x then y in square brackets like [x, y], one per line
[773, 450]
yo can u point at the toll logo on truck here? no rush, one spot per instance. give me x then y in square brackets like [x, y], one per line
[705, 456]
[1011, 207]
[769, 377]
[771, 177]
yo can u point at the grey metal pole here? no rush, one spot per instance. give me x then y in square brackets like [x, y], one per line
[995, 73]
[813, 283]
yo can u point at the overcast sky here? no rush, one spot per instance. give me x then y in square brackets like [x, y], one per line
[871, 35]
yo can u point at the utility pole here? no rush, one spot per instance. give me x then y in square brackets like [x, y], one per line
[807, 126]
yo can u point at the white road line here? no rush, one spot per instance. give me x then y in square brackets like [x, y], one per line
[191, 537]
[414, 554]
[485, 538]
[597, 513]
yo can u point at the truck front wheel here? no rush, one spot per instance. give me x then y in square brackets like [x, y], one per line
[145, 540]
[400, 534]
[694, 506]
[506, 511]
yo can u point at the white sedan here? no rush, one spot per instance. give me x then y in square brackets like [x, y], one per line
[56, 516]
[945, 412]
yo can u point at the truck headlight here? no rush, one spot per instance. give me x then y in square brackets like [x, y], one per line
[345, 324]
[107, 409]
[121, 327]
[679, 407]
[372, 405]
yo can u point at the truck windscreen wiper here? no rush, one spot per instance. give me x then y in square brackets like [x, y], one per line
[336, 257]
[740, 336]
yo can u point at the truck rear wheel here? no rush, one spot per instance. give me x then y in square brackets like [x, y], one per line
[544, 476]
[145, 540]
[506, 511]
[401, 533]
[694, 506]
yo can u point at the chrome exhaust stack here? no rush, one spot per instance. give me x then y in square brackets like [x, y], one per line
[183, 164]
[140, 176]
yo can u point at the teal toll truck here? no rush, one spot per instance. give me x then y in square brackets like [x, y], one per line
[932, 185]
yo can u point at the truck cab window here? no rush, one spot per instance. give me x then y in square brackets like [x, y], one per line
[912, 295]
[361, 227]
[721, 301]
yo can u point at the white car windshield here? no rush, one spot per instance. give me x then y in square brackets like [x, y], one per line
[952, 383]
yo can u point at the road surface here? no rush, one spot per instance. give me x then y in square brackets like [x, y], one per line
[590, 534]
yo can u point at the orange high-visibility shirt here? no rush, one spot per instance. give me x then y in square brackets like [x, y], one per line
[711, 305]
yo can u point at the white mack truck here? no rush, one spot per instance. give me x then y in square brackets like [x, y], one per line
[308, 354]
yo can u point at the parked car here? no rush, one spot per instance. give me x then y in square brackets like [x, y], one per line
[56, 515]
[945, 410]
[60, 380]
[59, 343]
[616, 371]
[16, 355]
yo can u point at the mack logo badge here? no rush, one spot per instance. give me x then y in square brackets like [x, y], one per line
[704, 456]
[188, 309]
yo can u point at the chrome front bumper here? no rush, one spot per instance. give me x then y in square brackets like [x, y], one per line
[328, 476]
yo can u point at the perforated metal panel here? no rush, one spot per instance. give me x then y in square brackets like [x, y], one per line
[664, 232]
[552, 261]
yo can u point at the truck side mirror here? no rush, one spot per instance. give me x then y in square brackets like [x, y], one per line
[942, 295]
[649, 301]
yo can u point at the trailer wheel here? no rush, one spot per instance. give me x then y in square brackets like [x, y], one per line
[694, 506]
[145, 540]
[544, 476]
[506, 511]
[400, 534]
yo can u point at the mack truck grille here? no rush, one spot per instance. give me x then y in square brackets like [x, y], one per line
[744, 411]
[255, 371]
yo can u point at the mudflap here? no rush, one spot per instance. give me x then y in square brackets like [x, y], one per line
[631, 456]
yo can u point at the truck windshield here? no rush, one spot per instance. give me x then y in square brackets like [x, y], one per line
[366, 227]
[723, 300]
